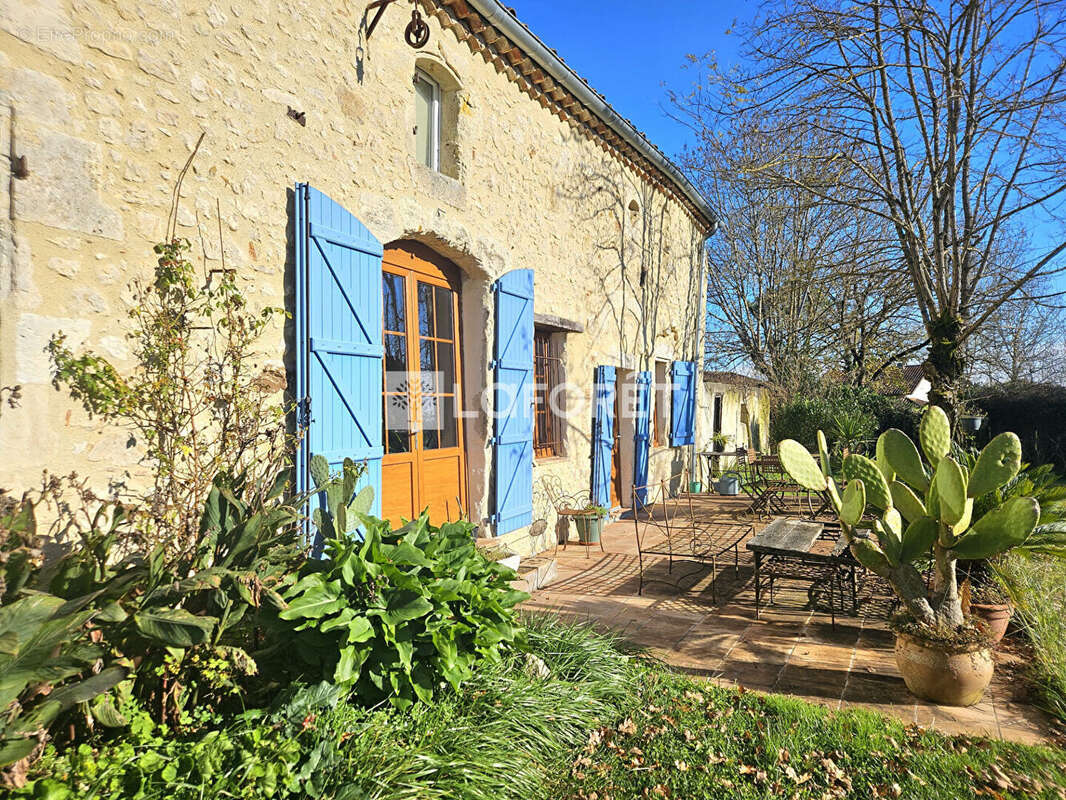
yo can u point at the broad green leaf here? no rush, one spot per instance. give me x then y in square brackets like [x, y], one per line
[405, 605]
[174, 627]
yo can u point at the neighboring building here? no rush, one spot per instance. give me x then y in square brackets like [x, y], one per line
[736, 406]
[916, 385]
[472, 206]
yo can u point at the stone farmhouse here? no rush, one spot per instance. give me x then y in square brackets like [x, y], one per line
[492, 276]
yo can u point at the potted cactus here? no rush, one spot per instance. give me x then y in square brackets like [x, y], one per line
[899, 512]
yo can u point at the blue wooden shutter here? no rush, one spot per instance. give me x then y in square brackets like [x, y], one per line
[603, 436]
[338, 335]
[642, 437]
[512, 443]
[683, 403]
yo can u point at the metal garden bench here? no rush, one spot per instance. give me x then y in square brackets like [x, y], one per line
[666, 527]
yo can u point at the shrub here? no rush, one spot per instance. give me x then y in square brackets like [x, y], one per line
[394, 615]
[858, 410]
[504, 738]
[197, 399]
[1035, 411]
[1037, 587]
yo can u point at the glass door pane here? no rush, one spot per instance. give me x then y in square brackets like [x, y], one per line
[396, 397]
[436, 328]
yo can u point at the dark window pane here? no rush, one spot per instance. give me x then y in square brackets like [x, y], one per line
[445, 328]
[397, 427]
[449, 423]
[399, 442]
[395, 360]
[425, 309]
[430, 423]
[425, 360]
[392, 291]
[446, 366]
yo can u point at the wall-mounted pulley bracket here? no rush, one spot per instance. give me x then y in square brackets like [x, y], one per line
[416, 34]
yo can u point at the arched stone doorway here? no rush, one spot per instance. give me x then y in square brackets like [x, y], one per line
[424, 462]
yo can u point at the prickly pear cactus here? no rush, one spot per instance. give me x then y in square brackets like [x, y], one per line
[951, 489]
[904, 458]
[998, 463]
[934, 432]
[921, 508]
[999, 530]
[858, 467]
[801, 465]
[340, 506]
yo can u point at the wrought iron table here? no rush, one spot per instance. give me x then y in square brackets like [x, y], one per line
[785, 550]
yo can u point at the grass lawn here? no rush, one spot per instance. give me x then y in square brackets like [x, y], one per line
[682, 738]
[605, 724]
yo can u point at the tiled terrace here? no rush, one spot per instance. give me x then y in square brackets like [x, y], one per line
[790, 650]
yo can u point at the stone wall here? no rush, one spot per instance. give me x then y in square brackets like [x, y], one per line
[106, 100]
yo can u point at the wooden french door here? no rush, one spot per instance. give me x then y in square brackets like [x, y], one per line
[423, 465]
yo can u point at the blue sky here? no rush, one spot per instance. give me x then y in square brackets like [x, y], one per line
[628, 49]
[632, 51]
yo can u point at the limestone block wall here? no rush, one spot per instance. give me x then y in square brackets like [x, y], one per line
[105, 100]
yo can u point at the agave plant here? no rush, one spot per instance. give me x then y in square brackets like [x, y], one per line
[899, 511]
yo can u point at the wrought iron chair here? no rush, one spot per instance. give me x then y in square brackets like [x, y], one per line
[565, 505]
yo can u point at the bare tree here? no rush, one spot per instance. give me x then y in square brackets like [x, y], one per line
[1023, 341]
[796, 285]
[950, 115]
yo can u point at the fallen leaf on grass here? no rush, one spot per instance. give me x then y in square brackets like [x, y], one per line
[627, 727]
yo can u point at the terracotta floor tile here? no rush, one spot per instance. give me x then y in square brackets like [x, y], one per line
[710, 648]
[876, 689]
[811, 682]
[791, 649]
[762, 651]
[751, 676]
[828, 657]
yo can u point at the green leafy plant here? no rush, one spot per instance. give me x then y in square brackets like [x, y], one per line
[45, 656]
[851, 428]
[184, 626]
[198, 401]
[397, 613]
[900, 510]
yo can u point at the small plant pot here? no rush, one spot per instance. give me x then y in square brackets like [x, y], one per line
[950, 676]
[997, 617]
[589, 528]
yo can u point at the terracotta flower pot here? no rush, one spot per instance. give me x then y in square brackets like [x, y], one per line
[950, 676]
[995, 616]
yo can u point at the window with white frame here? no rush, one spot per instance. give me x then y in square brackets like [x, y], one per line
[427, 120]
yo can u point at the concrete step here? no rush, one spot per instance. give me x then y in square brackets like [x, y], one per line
[535, 574]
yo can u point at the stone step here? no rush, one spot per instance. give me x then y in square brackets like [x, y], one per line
[536, 574]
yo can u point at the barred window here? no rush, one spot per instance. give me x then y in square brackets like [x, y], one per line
[547, 374]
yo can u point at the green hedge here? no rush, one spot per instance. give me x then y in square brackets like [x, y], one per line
[1034, 411]
[801, 418]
